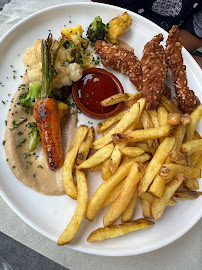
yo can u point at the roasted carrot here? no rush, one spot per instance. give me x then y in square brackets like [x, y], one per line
[47, 118]
[46, 111]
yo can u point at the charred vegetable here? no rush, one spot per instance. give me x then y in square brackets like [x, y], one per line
[46, 110]
[28, 99]
[97, 30]
[34, 136]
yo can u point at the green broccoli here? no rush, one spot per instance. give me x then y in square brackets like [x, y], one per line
[28, 99]
[97, 30]
[34, 136]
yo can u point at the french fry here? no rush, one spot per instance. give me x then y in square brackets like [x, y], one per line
[173, 119]
[195, 118]
[68, 180]
[191, 183]
[114, 194]
[155, 164]
[147, 123]
[85, 146]
[129, 211]
[133, 98]
[186, 195]
[116, 157]
[98, 157]
[191, 146]
[158, 205]
[157, 186]
[168, 171]
[82, 202]
[143, 146]
[178, 157]
[103, 191]
[199, 163]
[105, 170]
[118, 230]
[114, 100]
[142, 134]
[162, 116]
[170, 106]
[142, 158]
[131, 116]
[146, 208]
[131, 151]
[150, 198]
[154, 117]
[122, 201]
[96, 168]
[104, 125]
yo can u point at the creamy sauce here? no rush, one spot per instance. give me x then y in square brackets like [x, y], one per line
[30, 167]
[125, 45]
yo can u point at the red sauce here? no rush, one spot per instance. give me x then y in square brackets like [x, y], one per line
[93, 88]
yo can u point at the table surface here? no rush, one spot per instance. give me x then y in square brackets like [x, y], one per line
[185, 253]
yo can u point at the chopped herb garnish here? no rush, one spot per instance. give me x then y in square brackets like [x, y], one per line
[4, 142]
[39, 166]
[34, 175]
[6, 122]
[13, 167]
[7, 159]
[20, 133]
[3, 102]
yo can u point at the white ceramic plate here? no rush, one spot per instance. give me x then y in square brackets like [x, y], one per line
[50, 215]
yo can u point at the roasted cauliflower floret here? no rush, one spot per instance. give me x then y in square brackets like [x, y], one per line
[72, 33]
[118, 26]
[63, 72]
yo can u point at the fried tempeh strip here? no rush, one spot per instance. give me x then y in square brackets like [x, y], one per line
[121, 60]
[154, 69]
[186, 98]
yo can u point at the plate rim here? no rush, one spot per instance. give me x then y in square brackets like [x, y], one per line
[41, 231]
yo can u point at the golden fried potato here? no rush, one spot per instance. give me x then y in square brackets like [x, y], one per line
[118, 230]
[195, 118]
[82, 201]
[154, 166]
[115, 99]
[105, 188]
[129, 211]
[114, 193]
[173, 119]
[98, 157]
[158, 205]
[191, 146]
[191, 183]
[168, 171]
[129, 118]
[142, 134]
[105, 170]
[68, 180]
[131, 151]
[157, 186]
[146, 208]
[85, 146]
[186, 195]
[122, 201]
[169, 105]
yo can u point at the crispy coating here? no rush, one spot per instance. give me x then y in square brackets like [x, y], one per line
[154, 70]
[186, 98]
[167, 91]
[121, 60]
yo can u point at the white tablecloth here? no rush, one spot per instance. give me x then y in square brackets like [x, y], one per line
[185, 253]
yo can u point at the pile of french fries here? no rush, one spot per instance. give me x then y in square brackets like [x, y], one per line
[154, 155]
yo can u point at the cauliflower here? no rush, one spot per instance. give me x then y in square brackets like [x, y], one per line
[64, 74]
[73, 33]
[118, 26]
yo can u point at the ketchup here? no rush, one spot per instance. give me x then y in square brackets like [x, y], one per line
[93, 88]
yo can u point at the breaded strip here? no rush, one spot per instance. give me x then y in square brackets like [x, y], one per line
[154, 69]
[120, 59]
[186, 98]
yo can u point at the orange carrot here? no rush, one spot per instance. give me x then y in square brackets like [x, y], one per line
[47, 118]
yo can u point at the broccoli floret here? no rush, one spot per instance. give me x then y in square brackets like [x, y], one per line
[28, 99]
[97, 30]
[34, 136]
